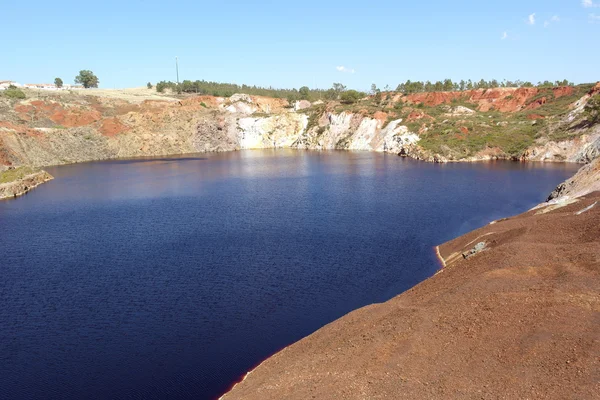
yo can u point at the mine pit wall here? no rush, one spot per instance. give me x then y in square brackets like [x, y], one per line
[217, 131]
[56, 131]
[203, 132]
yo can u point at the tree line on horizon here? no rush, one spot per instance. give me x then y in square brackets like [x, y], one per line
[220, 89]
[448, 85]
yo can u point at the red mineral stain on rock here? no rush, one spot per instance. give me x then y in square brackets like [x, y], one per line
[500, 99]
[112, 126]
[595, 89]
[562, 91]
[20, 129]
[537, 103]
[72, 116]
[417, 115]
[380, 116]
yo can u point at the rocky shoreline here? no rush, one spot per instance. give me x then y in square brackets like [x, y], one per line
[23, 185]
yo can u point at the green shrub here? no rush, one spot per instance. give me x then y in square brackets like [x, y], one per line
[377, 98]
[14, 92]
[292, 98]
[87, 79]
[350, 96]
[304, 93]
[14, 174]
[592, 109]
[314, 113]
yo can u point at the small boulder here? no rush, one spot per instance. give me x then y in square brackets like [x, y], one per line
[479, 247]
[302, 105]
[240, 97]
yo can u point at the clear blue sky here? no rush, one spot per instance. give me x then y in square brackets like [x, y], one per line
[294, 43]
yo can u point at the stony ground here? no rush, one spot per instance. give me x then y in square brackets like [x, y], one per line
[587, 179]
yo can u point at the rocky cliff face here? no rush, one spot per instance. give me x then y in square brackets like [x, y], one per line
[586, 180]
[67, 128]
[501, 99]
[51, 132]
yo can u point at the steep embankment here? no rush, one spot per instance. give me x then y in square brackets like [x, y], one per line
[586, 180]
[515, 313]
[58, 130]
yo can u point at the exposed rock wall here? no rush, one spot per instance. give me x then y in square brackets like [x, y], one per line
[586, 180]
[60, 130]
[188, 127]
[582, 149]
[281, 130]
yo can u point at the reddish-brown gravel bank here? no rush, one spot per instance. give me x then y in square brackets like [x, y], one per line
[519, 319]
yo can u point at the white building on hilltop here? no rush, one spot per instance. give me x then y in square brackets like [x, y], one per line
[5, 84]
[41, 86]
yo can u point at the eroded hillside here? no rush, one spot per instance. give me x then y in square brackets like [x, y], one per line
[526, 123]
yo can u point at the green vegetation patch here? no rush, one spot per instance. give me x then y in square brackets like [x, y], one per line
[11, 175]
[220, 89]
[351, 96]
[314, 114]
[592, 110]
[13, 92]
[560, 106]
[464, 136]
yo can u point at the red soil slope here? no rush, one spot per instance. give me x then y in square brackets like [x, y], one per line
[501, 99]
[72, 116]
[518, 320]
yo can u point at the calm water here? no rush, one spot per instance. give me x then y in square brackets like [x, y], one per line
[169, 278]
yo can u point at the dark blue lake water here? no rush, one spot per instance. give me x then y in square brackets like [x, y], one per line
[170, 278]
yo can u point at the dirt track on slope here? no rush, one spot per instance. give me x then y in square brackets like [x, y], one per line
[518, 320]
